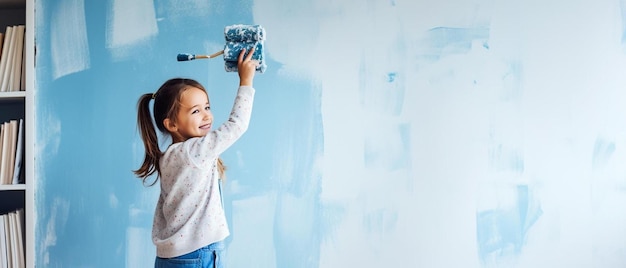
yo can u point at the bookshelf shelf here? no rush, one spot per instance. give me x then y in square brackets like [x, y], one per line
[16, 96]
[13, 187]
[12, 95]
[17, 194]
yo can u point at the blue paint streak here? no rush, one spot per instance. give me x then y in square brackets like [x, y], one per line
[623, 13]
[443, 41]
[380, 221]
[300, 190]
[391, 77]
[502, 232]
[377, 155]
[602, 152]
[512, 91]
[503, 158]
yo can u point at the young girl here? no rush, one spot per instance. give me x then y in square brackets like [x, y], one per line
[189, 222]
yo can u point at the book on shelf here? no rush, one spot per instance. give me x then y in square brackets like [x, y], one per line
[1, 154]
[3, 244]
[19, 222]
[18, 57]
[1, 42]
[12, 59]
[11, 151]
[7, 239]
[12, 239]
[19, 153]
[4, 155]
[18, 240]
[5, 52]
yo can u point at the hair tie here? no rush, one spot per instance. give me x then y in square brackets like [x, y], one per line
[153, 96]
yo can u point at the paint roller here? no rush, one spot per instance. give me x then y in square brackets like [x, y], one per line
[238, 37]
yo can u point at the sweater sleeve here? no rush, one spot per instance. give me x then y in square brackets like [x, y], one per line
[204, 149]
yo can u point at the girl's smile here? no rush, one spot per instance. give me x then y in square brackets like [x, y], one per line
[207, 127]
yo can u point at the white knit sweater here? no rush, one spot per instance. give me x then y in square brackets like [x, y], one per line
[189, 214]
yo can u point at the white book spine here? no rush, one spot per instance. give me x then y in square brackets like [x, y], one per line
[5, 53]
[14, 235]
[7, 232]
[2, 181]
[16, 67]
[17, 169]
[12, 148]
[3, 244]
[4, 153]
[19, 216]
[7, 60]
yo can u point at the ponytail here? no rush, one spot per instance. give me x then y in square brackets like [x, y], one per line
[153, 153]
[221, 168]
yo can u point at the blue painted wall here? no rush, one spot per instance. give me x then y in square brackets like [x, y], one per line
[393, 133]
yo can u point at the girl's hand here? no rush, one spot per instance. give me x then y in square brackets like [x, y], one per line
[246, 67]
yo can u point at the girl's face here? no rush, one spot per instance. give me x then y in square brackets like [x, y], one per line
[194, 118]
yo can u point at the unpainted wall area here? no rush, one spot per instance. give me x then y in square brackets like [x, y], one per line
[392, 133]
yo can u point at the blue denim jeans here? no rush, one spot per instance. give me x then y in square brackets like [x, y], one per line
[206, 257]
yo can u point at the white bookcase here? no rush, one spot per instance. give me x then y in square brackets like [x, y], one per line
[20, 105]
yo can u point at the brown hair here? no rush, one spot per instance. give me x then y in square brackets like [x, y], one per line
[166, 105]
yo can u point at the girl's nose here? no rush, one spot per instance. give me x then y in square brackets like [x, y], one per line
[207, 115]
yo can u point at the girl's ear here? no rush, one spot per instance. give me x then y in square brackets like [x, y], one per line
[170, 125]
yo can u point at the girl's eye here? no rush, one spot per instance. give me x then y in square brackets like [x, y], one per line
[208, 108]
[195, 111]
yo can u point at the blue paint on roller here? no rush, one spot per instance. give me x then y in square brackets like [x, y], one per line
[240, 36]
[244, 33]
[231, 53]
